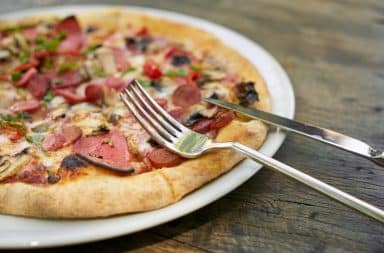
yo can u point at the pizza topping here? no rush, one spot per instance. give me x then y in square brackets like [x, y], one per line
[177, 113]
[53, 142]
[70, 133]
[186, 95]
[67, 78]
[38, 85]
[72, 162]
[4, 54]
[93, 92]
[108, 149]
[10, 165]
[114, 118]
[21, 80]
[25, 106]
[12, 127]
[70, 95]
[161, 157]
[31, 173]
[152, 70]
[221, 119]
[180, 60]
[120, 57]
[246, 93]
[61, 137]
[116, 83]
[193, 118]
[202, 125]
[74, 37]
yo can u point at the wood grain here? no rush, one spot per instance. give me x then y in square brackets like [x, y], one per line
[333, 52]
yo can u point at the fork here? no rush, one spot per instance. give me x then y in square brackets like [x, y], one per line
[190, 144]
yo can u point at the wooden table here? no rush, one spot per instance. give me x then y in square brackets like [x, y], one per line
[333, 52]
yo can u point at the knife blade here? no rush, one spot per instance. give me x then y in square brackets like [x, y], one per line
[317, 133]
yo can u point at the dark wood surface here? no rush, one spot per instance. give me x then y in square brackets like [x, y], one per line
[333, 52]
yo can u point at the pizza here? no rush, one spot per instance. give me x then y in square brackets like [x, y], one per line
[69, 148]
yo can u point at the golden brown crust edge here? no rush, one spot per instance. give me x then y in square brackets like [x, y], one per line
[104, 194]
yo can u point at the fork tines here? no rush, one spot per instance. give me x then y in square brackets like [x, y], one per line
[161, 126]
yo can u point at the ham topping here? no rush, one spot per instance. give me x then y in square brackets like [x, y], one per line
[25, 106]
[62, 137]
[110, 149]
[74, 39]
[38, 85]
[26, 77]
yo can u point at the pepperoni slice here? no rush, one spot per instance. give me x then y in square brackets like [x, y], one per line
[116, 83]
[38, 85]
[120, 59]
[177, 113]
[25, 66]
[93, 92]
[221, 119]
[202, 126]
[152, 70]
[30, 33]
[162, 102]
[74, 39]
[161, 157]
[26, 77]
[69, 95]
[110, 149]
[69, 78]
[53, 142]
[25, 106]
[186, 95]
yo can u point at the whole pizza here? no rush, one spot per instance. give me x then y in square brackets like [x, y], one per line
[69, 148]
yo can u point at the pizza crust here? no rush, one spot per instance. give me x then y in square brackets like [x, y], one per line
[102, 193]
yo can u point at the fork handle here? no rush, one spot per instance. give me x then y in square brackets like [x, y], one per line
[312, 182]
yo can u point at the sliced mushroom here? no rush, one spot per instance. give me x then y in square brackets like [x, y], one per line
[60, 111]
[4, 54]
[216, 87]
[20, 41]
[107, 60]
[215, 74]
[10, 165]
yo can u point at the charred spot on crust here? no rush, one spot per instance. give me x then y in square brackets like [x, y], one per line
[72, 162]
[246, 93]
[180, 60]
[53, 178]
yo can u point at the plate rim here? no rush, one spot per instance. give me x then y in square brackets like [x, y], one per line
[184, 206]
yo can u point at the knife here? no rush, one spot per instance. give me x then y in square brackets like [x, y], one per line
[324, 135]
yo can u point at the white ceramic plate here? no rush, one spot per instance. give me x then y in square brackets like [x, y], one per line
[18, 232]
